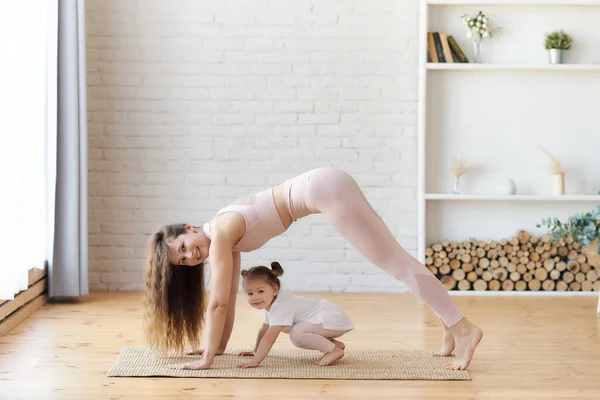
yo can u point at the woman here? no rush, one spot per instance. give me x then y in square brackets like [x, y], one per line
[174, 295]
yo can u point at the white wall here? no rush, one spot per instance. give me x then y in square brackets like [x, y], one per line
[195, 103]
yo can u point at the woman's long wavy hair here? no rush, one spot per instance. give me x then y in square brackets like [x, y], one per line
[174, 297]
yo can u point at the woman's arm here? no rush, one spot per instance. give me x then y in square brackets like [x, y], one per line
[226, 230]
[264, 347]
[229, 321]
[221, 261]
[221, 264]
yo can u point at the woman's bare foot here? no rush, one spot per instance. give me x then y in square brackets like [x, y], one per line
[467, 336]
[330, 357]
[339, 344]
[447, 344]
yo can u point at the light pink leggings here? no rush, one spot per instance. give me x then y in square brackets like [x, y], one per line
[336, 195]
[313, 337]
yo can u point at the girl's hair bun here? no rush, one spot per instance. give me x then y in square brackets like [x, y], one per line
[276, 268]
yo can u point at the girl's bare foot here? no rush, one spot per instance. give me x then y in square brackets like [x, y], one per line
[338, 343]
[447, 344]
[330, 357]
[467, 336]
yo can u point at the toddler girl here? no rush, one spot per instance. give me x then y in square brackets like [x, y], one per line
[311, 323]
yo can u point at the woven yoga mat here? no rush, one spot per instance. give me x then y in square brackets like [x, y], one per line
[295, 364]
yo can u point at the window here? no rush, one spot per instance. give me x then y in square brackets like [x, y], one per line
[27, 130]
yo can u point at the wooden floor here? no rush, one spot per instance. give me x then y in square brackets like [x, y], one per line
[533, 348]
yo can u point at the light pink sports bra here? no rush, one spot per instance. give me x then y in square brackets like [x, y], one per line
[262, 220]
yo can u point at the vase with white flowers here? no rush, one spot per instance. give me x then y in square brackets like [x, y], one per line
[479, 27]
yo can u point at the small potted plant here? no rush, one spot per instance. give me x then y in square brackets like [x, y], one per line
[556, 42]
[584, 228]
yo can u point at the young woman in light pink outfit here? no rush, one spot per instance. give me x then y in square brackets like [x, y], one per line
[174, 298]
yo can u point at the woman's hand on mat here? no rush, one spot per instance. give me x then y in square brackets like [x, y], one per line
[249, 364]
[246, 354]
[202, 364]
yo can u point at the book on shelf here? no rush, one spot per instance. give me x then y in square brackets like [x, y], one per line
[442, 48]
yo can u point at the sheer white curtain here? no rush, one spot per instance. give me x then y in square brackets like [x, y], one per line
[27, 139]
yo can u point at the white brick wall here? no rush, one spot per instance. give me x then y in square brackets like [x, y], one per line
[193, 103]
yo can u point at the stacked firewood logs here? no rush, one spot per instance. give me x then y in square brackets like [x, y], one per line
[524, 262]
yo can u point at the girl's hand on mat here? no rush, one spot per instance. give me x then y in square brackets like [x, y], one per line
[246, 354]
[202, 364]
[249, 364]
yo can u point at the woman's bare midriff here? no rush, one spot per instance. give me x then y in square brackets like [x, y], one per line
[286, 218]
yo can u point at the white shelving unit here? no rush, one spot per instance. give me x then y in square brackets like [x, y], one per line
[509, 67]
[516, 197]
[515, 2]
[521, 102]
